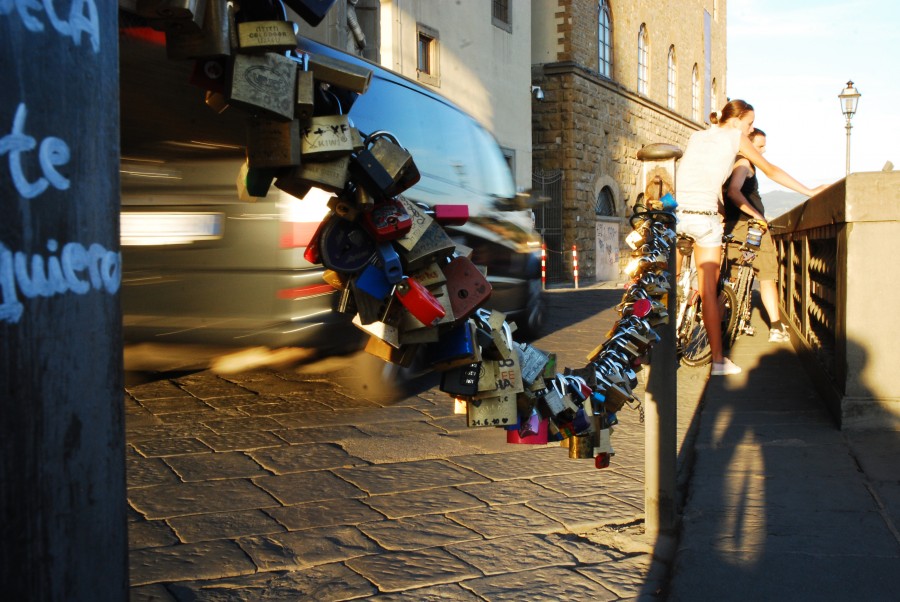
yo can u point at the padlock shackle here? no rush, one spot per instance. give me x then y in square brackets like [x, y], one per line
[381, 134]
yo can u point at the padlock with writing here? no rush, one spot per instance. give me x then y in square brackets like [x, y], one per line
[432, 245]
[421, 221]
[468, 287]
[326, 137]
[273, 143]
[461, 380]
[330, 176]
[264, 84]
[384, 168]
[266, 36]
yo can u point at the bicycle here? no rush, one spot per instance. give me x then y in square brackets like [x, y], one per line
[691, 338]
[742, 281]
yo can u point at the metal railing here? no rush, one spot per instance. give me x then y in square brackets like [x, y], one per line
[838, 286]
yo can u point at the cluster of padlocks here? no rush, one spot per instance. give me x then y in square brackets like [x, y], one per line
[401, 277]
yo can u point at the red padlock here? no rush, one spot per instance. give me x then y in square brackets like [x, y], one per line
[387, 221]
[468, 287]
[451, 215]
[419, 301]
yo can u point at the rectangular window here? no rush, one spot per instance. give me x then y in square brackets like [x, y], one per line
[500, 15]
[428, 56]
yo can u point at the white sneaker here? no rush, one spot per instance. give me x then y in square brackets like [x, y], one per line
[779, 336]
[726, 368]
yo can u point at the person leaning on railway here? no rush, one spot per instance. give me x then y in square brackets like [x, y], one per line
[743, 203]
[702, 171]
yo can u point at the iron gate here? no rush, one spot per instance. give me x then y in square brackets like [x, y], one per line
[548, 220]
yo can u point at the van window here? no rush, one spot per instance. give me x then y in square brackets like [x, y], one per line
[447, 145]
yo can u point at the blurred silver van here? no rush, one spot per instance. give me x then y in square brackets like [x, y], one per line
[202, 266]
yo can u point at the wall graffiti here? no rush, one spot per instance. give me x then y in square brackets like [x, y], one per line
[52, 153]
[76, 269]
[82, 18]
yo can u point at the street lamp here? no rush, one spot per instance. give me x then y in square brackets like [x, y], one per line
[849, 96]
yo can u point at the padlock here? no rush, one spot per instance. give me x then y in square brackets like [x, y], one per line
[557, 403]
[354, 78]
[373, 281]
[381, 330]
[369, 309]
[306, 95]
[215, 101]
[253, 182]
[451, 215]
[334, 279]
[344, 206]
[532, 361]
[312, 253]
[421, 221]
[390, 261]
[344, 246]
[429, 276]
[264, 83]
[346, 303]
[384, 168]
[213, 39]
[330, 176]
[461, 380]
[493, 411]
[509, 375]
[487, 377]
[402, 356]
[420, 303]
[272, 143]
[433, 245]
[177, 16]
[387, 221]
[468, 287]
[455, 347]
[266, 36]
[326, 137]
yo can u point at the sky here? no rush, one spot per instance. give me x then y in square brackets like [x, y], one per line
[791, 58]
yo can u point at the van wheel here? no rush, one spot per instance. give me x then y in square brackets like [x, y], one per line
[536, 308]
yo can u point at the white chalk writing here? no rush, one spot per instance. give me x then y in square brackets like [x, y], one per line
[82, 18]
[52, 153]
[75, 269]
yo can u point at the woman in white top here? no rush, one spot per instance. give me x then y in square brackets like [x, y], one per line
[705, 166]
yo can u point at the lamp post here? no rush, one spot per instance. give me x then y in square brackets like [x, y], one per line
[849, 96]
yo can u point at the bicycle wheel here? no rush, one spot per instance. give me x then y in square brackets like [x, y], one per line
[693, 342]
[731, 304]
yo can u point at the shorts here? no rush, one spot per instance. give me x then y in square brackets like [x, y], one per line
[706, 230]
[766, 263]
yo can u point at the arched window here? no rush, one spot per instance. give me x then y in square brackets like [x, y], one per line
[672, 79]
[695, 94]
[643, 84]
[606, 204]
[604, 39]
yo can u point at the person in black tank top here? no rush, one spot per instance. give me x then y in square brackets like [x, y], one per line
[743, 202]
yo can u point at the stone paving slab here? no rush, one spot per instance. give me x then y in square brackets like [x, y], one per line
[303, 458]
[509, 492]
[499, 521]
[398, 571]
[204, 467]
[326, 583]
[511, 554]
[310, 547]
[205, 560]
[589, 512]
[547, 584]
[299, 488]
[408, 476]
[428, 501]
[166, 501]
[626, 577]
[324, 514]
[418, 532]
[223, 525]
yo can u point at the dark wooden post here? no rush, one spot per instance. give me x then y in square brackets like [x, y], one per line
[62, 468]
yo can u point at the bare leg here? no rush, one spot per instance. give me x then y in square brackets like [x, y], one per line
[768, 292]
[707, 260]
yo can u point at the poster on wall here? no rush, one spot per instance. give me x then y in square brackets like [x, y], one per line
[607, 245]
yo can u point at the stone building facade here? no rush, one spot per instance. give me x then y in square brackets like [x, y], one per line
[596, 115]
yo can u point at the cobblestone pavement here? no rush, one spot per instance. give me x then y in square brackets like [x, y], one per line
[302, 483]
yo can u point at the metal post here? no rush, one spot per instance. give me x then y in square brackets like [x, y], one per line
[661, 396]
[848, 145]
[62, 456]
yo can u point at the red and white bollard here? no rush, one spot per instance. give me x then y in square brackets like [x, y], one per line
[575, 263]
[544, 266]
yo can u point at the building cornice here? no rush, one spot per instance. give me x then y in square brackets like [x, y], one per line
[577, 69]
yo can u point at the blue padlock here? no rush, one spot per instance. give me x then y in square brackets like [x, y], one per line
[390, 262]
[454, 344]
[374, 281]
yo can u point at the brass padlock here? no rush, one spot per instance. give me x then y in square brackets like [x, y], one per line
[326, 137]
[213, 39]
[266, 36]
[272, 143]
[420, 223]
[434, 244]
[340, 73]
[264, 83]
[384, 167]
[306, 95]
[330, 176]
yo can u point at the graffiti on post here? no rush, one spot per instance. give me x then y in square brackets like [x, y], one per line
[82, 18]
